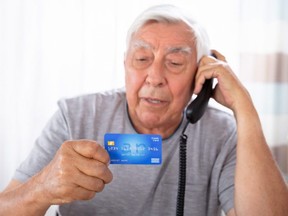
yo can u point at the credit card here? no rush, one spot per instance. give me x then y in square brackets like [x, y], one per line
[134, 148]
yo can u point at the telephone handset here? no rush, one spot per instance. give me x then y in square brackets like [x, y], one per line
[194, 112]
[197, 107]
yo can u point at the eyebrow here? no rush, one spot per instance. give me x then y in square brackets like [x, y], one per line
[176, 49]
[141, 44]
[185, 50]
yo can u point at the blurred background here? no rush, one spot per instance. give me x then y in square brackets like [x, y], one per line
[52, 49]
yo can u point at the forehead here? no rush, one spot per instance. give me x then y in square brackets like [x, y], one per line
[171, 36]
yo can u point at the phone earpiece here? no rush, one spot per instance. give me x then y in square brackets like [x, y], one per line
[197, 107]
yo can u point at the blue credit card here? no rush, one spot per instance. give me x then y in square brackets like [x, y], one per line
[134, 148]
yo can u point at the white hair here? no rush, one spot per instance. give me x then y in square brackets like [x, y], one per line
[172, 14]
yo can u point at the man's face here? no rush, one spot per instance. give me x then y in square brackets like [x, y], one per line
[160, 66]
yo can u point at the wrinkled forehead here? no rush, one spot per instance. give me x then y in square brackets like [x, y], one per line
[178, 38]
[139, 44]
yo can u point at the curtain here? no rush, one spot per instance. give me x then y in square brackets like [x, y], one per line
[263, 66]
[54, 49]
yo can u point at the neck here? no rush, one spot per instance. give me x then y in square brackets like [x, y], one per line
[165, 131]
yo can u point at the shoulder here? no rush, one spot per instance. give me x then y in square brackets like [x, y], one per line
[218, 123]
[92, 101]
[88, 113]
[217, 115]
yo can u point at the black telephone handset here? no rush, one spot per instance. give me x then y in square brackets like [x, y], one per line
[197, 107]
[194, 112]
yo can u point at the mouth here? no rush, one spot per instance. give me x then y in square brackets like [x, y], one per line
[154, 101]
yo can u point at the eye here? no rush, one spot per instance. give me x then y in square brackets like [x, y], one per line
[175, 66]
[142, 59]
[174, 63]
[141, 62]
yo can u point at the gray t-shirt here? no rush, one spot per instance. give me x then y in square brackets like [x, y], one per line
[143, 189]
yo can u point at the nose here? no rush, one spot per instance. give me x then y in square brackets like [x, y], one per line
[156, 75]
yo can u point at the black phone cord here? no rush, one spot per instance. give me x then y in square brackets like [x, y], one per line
[182, 173]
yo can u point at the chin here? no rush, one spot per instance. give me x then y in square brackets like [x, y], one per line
[150, 120]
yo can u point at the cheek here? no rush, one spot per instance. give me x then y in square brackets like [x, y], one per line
[133, 83]
[182, 93]
[134, 79]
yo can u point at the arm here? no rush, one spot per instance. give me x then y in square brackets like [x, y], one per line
[259, 186]
[257, 178]
[21, 199]
[77, 172]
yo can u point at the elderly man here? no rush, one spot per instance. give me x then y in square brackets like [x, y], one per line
[229, 165]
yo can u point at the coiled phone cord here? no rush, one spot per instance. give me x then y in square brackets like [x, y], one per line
[182, 173]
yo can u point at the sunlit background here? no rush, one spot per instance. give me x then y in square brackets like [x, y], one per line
[52, 49]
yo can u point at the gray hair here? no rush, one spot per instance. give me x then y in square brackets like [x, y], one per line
[172, 14]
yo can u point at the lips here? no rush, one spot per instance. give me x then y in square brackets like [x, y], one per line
[155, 101]
[154, 97]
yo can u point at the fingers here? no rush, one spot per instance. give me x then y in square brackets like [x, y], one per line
[90, 149]
[229, 91]
[91, 159]
[218, 55]
[71, 184]
[77, 172]
[89, 182]
[210, 59]
[94, 168]
[209, 67]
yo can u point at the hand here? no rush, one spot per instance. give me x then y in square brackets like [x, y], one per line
[229, 91]
[78, 171]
